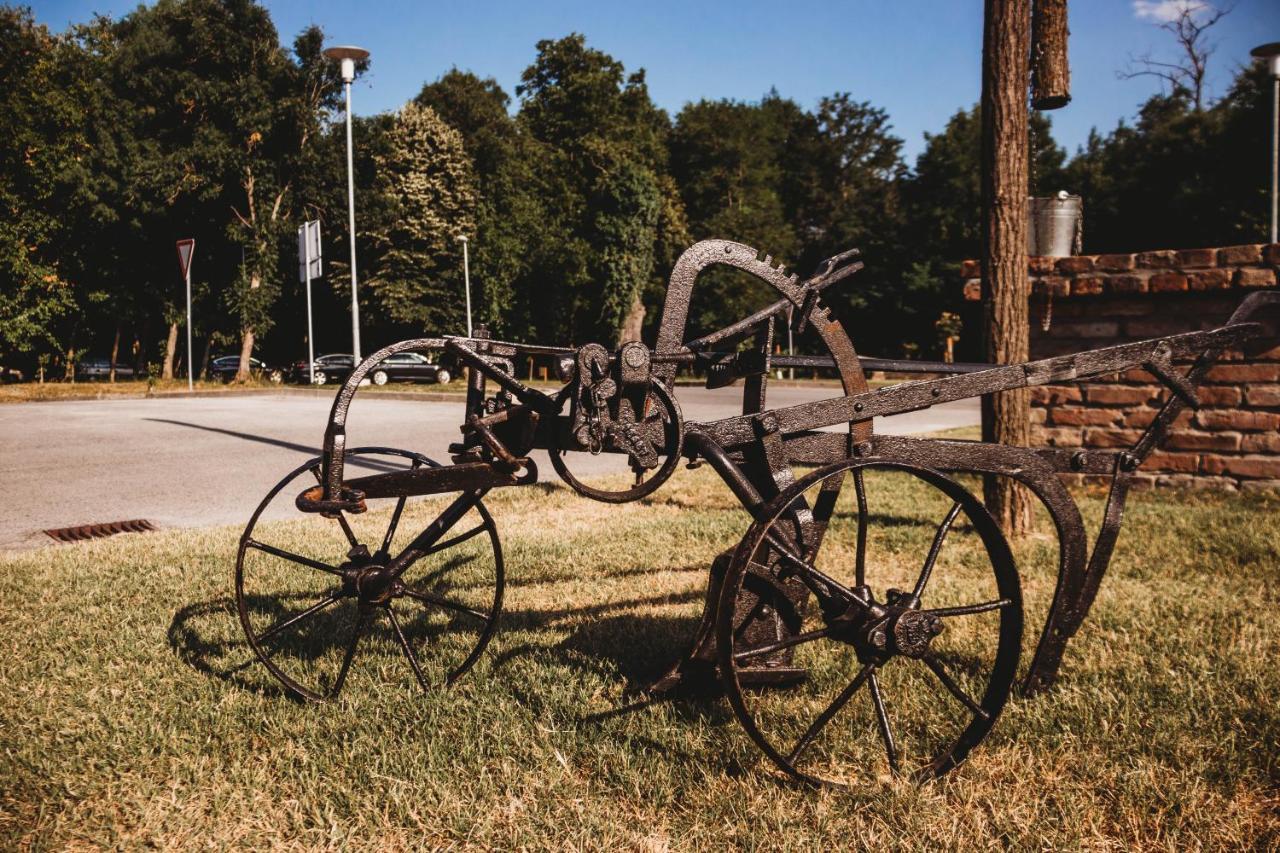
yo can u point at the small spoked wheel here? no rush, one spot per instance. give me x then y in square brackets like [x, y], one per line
[892, 610]
[314, 593]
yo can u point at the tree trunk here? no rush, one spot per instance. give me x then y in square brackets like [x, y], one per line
[246, 339]
[115, 351]
[70, 373]
[246, 350]
[633, 323]
[170, 348]
[208, 349]
[1006, 417]
[1050, 70]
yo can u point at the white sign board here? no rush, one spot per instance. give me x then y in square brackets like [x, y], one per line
[186, 248]
[309, 250]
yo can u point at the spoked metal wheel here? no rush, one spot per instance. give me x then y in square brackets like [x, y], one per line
[898, 600]
[316, 593]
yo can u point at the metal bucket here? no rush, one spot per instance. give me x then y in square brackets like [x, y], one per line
[1055, 225]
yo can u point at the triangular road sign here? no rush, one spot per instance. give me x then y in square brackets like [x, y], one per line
[186, 248]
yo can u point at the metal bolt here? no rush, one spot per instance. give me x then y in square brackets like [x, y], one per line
[858, 407]
[878, 638]
[1078, 459]
[936, 392]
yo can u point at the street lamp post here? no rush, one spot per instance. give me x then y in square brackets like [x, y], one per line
[1271, 53]
[348, 56]
[466, 277]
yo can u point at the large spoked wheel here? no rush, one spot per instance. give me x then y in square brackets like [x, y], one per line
[864, 598]
[313, 591]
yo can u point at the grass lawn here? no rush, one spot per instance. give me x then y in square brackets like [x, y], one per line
[129, 715]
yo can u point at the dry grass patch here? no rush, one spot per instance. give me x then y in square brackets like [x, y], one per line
[129, 715]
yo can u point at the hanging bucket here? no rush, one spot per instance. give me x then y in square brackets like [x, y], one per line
[1056, 225]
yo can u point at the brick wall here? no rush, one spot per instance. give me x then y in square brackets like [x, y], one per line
[1078, 303]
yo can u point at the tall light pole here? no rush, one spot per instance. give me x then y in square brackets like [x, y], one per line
[348, 56]
[1271, 53]
[466, 277]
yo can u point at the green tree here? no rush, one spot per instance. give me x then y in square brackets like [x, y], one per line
[426, 177]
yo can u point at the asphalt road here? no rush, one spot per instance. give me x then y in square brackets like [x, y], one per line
[191, 462]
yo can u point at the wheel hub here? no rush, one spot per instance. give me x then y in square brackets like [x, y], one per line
[375, 585]
[880, 631]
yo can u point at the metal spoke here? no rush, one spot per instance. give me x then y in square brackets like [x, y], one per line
[934, 549]
[361, 619]
[970, 609]
[793, 640]
[936, 665]
[860, 561]
[882, 717]
[461, 537]
[408, 650]
[812, 573]
[840, 701]
[395, 516]
[293, 620]
[342, 521]
[296, 558]
[428, 598]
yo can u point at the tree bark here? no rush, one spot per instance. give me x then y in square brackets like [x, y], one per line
[633, 323]
[170, 347]
[115, 351]
[208, 350]
[246, 334]
[1050, 70]
[1005, 282]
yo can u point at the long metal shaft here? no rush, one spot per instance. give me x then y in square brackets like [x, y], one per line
[466, 276]
[311, 347]
[351, 230]
[190, 364]
[1275, 153]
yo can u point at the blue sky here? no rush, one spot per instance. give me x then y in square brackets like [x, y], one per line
[918, 59]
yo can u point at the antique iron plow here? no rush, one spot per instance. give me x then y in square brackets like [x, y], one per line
[794, 624]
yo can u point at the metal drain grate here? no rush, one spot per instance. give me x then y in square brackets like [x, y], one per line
[100, 531]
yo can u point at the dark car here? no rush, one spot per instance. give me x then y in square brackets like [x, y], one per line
[411, 367]
[329, 368]
[100, 368]
[226, 367]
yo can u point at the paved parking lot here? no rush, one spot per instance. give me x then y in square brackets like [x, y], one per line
[189, 462]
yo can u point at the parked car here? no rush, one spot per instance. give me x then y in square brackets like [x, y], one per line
[9, 375]
[334, 367]
[100, 368]
[411, 367]
[225, 368]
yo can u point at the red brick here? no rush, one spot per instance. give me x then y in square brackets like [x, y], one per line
[1185, 463]
[1197, 258]
[1253, 467]
[1209, 280]
[1140, 418]
[1255, 277]
[1111, 437]
[1154, 260]
[1088, 286]
[1134, 374]
[1114, 263]
[1244, 373]
[1219, 395]
[1235, 255]
[1059, 436]
[1039, 265]
[1104, 329]
[1120, 395]
[1262, 442]
[1075, 264]
[1272, 354]
[1055, 395]
[1271, 254]
[1038, 416]
[1071, 416]
[1126, 284]
[973, 290]
[1188, 440]
[1234, 419]
[1054, 285]
[1158, 326]
[1263, 395]
[1167, 282]
[970, 269]
[1261, 486]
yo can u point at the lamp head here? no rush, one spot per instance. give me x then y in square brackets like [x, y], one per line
[1270, 53]
[347, 56]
